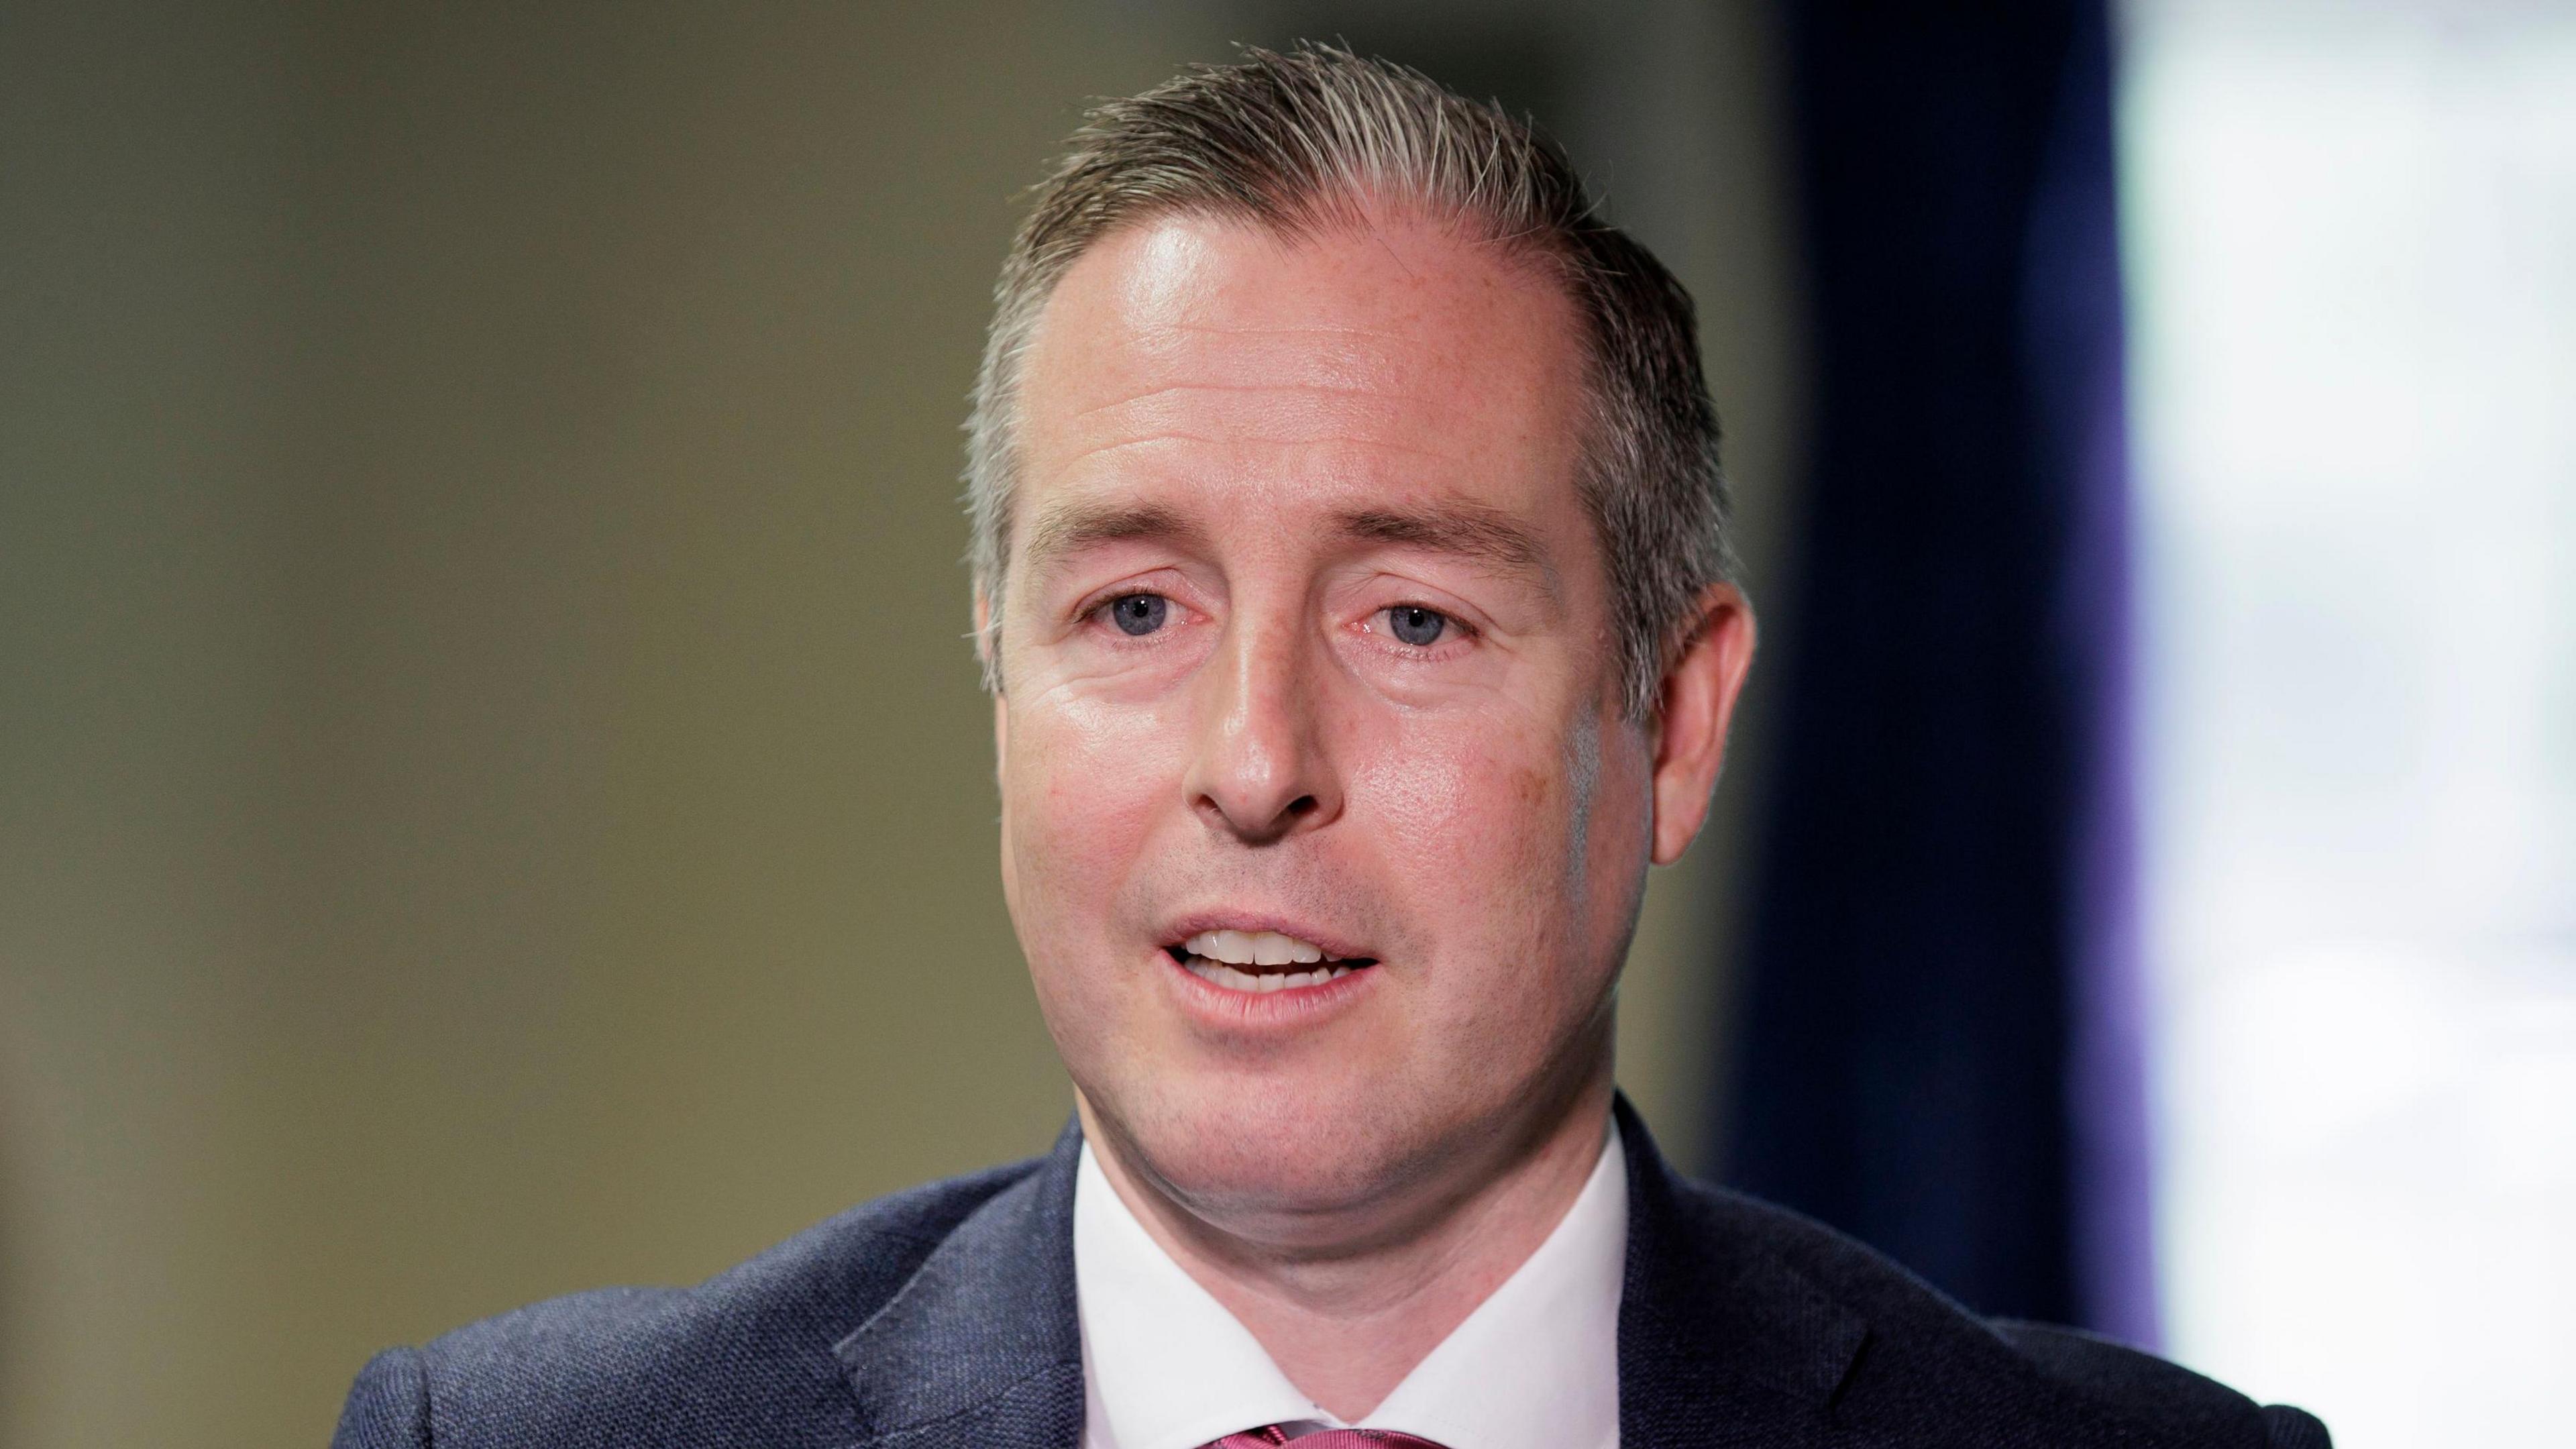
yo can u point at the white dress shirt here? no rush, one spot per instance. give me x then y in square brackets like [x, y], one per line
[1535, 1366]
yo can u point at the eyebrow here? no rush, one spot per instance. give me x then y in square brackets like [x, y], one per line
[1465, 531]
[1074, 527]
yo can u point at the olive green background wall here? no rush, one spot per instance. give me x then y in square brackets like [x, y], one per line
[493, 794]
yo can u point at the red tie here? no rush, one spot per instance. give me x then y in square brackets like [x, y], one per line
[1265, 1438]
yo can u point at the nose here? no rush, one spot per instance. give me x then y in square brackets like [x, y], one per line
[1260, 769]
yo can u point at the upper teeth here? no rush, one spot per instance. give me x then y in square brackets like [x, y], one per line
[1253, 948]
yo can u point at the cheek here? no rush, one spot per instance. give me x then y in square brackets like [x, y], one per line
[1477, 830]
[1523, 848]
[1420, 791]
[1082, 787]
[1501, 785]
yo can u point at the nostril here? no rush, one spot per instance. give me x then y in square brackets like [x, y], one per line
[1302, 805]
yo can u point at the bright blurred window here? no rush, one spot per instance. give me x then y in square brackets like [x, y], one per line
[2351, 241]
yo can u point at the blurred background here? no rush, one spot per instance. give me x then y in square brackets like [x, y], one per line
[494, 798]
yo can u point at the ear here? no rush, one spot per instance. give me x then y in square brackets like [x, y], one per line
[1698, 698]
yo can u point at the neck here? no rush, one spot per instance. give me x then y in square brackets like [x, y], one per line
[1345, 1320]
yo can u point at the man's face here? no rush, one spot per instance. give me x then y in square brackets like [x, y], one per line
[1307, 653]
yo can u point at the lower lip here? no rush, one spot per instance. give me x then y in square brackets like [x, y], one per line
[1287, 1008]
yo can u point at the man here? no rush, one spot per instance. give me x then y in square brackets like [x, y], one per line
[1351, 581]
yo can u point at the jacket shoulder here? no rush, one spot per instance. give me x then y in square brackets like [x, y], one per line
[2173, 1397]
[746, 1355]
[1931, 1371]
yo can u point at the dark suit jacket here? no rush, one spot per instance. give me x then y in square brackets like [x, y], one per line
[943, 1318]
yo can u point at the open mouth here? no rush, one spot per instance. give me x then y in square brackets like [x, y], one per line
[1261, 961]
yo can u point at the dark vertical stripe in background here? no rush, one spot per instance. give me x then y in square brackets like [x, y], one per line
[1937, 1030]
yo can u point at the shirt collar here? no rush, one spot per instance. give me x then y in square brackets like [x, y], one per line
[1535, 1366]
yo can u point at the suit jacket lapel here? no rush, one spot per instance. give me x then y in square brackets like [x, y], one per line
[983, 1347]
[1719, 1341]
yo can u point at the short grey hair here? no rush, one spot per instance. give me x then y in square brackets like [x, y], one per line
[1305, 141]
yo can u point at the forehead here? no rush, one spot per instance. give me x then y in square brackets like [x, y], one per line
[1392, 361]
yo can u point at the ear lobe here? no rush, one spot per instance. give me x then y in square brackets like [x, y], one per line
[1698, 701]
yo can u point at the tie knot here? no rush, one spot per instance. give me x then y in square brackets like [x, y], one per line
[1272, 1435]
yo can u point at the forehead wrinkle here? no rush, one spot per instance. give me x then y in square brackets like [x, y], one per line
[1301, 440]
[1248, 329]
[1281, 354]
[1267, 416]
[1325, 389]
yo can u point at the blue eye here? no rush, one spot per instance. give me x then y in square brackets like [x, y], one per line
[1140, 614]
[1416, 626]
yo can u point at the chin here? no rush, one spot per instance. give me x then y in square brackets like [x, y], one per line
[1282, 1150]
